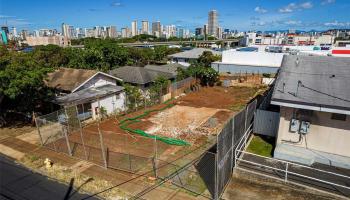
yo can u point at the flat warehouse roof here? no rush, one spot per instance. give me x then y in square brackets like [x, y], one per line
[251, 58]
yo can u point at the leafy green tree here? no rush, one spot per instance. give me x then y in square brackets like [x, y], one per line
[134, 96]
[22, 87]
[182, 74]
[159, 87]
[202, 69]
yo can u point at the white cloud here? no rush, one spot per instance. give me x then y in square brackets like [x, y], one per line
[325, 2]
[289, 8]
[261, 10]
[293, 6]
[6, 16]
[116, 4]
[337, 24]
[306, 5]
[292, 22]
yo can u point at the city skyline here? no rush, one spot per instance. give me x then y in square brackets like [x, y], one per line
[253, 15]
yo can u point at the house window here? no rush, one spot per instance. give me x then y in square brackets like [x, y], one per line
[340, 117]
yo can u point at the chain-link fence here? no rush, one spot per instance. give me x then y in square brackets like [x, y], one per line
[226, 143]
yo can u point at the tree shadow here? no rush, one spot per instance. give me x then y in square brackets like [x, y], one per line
[69, 194]
[206, 169]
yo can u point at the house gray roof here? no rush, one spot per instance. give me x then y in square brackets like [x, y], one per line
[193, 53]
[324, 82]
[168, 68]
[138, 75]
[88, 94]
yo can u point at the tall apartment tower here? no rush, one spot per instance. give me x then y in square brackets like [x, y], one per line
[212, 22]
[145, 27]
[134, 28]
[156, 28]
[65, 30]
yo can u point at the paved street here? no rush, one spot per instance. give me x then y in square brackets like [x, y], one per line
[19, 183]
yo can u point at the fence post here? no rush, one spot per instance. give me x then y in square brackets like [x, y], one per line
[37, 126]
[126, 143]
[233, 161]
[155, 157]
[286, 175]
[67, 141]
[101, 137]
[216, 191]
[81, 131]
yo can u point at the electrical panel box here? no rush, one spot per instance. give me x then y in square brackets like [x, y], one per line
[294, 125]
[304, 127]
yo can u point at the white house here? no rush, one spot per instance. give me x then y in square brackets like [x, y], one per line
[91, 91]
[314, 97]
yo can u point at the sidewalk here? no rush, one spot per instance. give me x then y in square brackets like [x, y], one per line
[130, 184]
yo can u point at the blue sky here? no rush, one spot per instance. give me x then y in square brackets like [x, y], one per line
[234, 14]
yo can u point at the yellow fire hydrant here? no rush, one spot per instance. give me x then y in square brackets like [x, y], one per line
[48, 163]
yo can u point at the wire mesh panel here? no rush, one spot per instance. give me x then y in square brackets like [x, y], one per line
[52, 132]
[128, 152]
[224, 140]
[224, 172]
[71, 119]
[250, 110]
[239, 126]
[224, 155]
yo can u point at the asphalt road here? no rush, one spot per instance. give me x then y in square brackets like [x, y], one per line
[19, 183]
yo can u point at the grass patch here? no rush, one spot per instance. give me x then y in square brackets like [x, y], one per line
[262, 145]
[66, 175]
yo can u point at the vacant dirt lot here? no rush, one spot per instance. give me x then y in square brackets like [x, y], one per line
[195, 118]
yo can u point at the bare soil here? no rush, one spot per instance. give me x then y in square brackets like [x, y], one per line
[15, 131]
[195, 118]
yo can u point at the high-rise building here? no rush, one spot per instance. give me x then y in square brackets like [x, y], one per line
[219, 33]
[212, 22]
[14, 31]
[145, 27]
[88, 32]
[65, 30]
[199, 31]
[111, 31]
[79, 33]
[97, 31]
[156, 28]
[4, 33]
[134, 28]
[125, 32]
[170, 31]
[24, 34]
[205, 29]
[183, 33]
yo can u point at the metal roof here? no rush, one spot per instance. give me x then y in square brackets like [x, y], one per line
[68, 78]
[88, 94]
[168, 68]
[139, 75]
[314, 81]
[193, 53]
